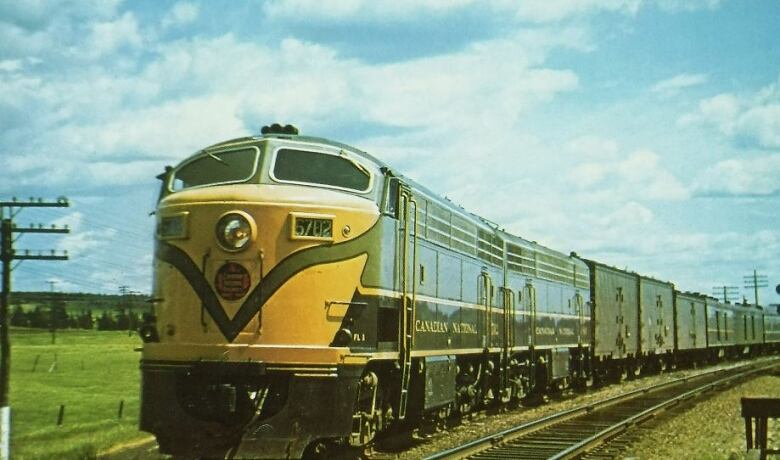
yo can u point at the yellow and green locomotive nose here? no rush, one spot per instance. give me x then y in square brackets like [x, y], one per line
[259, 264]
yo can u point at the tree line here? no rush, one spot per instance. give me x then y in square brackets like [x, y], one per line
[56, 316]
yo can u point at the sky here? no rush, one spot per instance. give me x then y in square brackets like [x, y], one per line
[644, 134]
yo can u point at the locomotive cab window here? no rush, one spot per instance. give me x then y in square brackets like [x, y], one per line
[337, 171]
[215, 168]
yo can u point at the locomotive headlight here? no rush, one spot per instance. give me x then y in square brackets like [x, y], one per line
[235, 230]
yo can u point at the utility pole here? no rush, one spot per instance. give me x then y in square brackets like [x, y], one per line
[725, 292]
[755, 281]
[8, 255]
[52, 309]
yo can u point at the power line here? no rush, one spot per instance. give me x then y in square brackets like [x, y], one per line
[755, 281]
[725, 292]
[8, 255]
[76, 282]
[120, 227]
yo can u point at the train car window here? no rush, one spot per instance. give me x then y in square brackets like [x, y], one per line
[216, 168]
[339, 171]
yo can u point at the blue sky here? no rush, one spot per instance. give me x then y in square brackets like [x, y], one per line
[644, 134]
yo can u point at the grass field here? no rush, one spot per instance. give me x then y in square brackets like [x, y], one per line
[94, 371]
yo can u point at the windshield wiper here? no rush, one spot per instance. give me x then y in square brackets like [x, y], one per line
[216, 157]
[346, 156]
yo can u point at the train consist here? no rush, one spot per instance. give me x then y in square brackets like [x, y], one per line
[307, 295]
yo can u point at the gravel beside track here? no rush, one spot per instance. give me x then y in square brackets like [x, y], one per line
[710, 428]
[483, 425]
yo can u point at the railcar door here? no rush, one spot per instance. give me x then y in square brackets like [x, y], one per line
[530, 303]
[620, 320]
[407, 217]
[485, 298]
[579, 305]
[509, 340]
[693, 328]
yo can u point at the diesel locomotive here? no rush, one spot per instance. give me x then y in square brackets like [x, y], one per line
[307, 295]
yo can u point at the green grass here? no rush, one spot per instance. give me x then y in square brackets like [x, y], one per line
[94, 371]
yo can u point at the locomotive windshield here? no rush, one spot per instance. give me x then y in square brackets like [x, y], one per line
[317, 168]
[216, 168]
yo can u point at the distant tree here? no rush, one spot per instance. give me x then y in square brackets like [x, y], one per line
[59, 315]
[38, 318]
[122, 321]
[19, 317]
[85, 320]
[106, 322]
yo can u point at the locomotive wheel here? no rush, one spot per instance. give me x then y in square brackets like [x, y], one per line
[368, 413]
[327, 450]
[636, 370]
[581, 384]
[619, 373]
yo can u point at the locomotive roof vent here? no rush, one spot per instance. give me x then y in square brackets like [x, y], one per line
[276, 128]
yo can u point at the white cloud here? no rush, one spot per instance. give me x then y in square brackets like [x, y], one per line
[363, 10]
[182, 13]
[446, 91]
[536, 11]
[761, 125]
[183, 99]
[80, 240]
[159, 131]
[749, 119]
[10, 65]
[33, 28]
[741, 177]
[398, 10]
[674, 84]
[593, 147]
[687, 5]
[109, 36]
[556, 10]
[640, 175]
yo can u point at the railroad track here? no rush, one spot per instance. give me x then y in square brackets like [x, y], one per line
[572, 433]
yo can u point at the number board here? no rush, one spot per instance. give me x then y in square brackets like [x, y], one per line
[174, 226]
[312, 228]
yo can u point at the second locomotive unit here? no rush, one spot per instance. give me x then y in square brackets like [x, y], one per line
[305, 294]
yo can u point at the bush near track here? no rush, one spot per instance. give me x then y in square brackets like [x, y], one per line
[93, 372]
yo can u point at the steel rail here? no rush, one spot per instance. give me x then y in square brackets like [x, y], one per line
[528, 428]
[622, 426]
